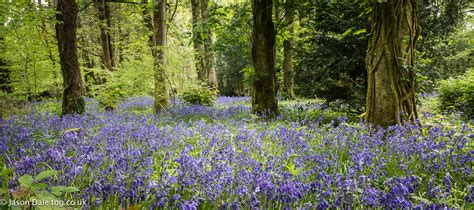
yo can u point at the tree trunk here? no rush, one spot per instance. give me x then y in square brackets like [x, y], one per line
[147, 17]
[73, 99]
[161, 88]
[209, 54]
[5, 83]
[108, 57]
[157, 42]
[124, 41]
[263, 59]
[389, 60]
[288, 45]
[197, 42]
[89, 76]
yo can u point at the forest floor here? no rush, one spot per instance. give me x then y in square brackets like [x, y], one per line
[224, 157]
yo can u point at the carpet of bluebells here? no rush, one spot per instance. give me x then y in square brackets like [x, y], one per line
[196, 157]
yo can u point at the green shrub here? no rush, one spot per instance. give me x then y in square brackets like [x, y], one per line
[457, 94]
[199, 96]
[109, 94]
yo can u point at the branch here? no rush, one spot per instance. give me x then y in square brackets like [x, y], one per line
[88, 52]
[86, 6]
[123, 1]
[174, 12]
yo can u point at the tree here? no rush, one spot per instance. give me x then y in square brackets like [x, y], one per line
[197, 41]
[5, 83]
[103, 12]
[73, 100]
[157, 42]
[263, 59]
[288, 45]
[209, 54]
[390, 58]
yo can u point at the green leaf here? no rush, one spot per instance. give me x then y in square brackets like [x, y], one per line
[58, 189]
[43, 194]
[45, 174]
[360, 31]
[6, 171]
[421, 199]
[25, 180]
[290, 167]
[70, 189]
[37, 186]
[297, 172]
[347, 32]
[293, 171]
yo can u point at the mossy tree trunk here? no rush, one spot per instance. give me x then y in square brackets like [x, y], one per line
[209, 54]
[73, 99]
[156, 23]
[198, 42]
[288, 45]
[390, 57]
[263, 59]
[148, 19]
[5, 81]
[108, 55]
[161, 87]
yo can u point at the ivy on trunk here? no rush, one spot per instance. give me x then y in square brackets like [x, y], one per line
[390, 58]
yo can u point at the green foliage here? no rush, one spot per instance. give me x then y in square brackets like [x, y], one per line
[33, 188]
[29, 48]
[248, 77]
[445, 46]
[316, 110]
[441, 18]
[330, 55]
[233, 49]
[457, 94]
[6, 174]
[109, 94]
[45, 174]
[443, 58]
[326, 116]
[199, 96]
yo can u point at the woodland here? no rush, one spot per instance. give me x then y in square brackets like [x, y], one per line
[236, 104]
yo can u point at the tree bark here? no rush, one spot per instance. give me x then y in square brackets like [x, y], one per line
[5, 82]
[124, 41]
[156, 23]
[288, 45]
[209, 54]
[390, 56]
[198, 42]
[108, 56]
[73, 99]
[161, 88]
[148, 19]
[263, 59]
